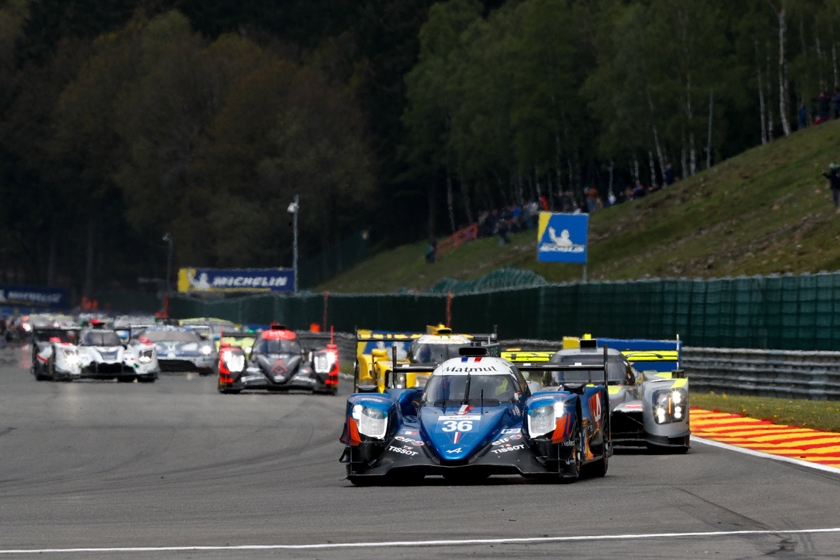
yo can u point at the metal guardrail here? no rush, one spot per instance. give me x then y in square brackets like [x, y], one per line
[796, 374]
[764, 373]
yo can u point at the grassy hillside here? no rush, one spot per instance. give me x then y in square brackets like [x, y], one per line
[766, 211]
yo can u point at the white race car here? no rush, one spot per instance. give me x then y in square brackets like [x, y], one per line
[98, 354]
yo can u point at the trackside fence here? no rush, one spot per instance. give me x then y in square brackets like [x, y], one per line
[779, 312]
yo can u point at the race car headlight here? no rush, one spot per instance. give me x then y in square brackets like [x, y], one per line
[372, 422]
[400, 380]
[670, 405]
[541, 420]
[145, 356]
[234, 361]
[206, 350]
[27, 327]
[70, 356]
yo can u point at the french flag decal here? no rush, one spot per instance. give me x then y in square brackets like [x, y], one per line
[457, 437]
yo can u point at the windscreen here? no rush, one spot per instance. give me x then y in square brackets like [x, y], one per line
[421, 353]
[100, 338]
[264, 346]
[617, 370]
[64, 335]
[171, 336]
[453, 390]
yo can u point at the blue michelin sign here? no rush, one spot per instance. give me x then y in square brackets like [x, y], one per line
[24, 296]
[236, 280]
[562, 238]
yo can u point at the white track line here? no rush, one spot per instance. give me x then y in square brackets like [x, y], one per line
[533, 540]
[746, 451]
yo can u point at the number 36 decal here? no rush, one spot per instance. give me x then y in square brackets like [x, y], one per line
[453, 425]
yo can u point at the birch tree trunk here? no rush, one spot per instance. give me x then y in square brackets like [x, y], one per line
[636, 169]
[770, 124]
[450, 202]
[652, 169]
[783, 83]
[662, 161]
[761, 104]
[537, 182]
[610, 188]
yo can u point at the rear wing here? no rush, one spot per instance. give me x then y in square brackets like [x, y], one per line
[574, 366]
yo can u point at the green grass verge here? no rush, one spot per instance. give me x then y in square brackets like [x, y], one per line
[817, 415]
[766, 211]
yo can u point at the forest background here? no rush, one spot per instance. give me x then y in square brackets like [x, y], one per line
[121, 120]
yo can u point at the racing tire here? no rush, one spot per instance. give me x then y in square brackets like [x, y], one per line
[125, 379]
[146, 379]
[51, 368]
[598, 468]
[230, 391]
[566, 478]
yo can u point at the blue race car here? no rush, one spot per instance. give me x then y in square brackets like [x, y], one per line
[477, 417]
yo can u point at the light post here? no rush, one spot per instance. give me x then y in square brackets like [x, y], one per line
[293, 209]
[168, 239]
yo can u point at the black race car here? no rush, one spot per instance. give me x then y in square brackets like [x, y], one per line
[278, 362]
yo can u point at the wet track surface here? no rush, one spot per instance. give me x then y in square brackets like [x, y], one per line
[175, 464]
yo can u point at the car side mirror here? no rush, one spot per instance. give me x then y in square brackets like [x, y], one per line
[678, 374]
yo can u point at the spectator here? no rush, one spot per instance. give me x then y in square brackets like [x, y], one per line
[670, 175]
[533, 214]
[833, 177]
[639, 191]
[592, 197]
[824, 102]
[431, 251]
[503, 232]
[803, 116]
[835, 102]
[544, 203]
[611, 200]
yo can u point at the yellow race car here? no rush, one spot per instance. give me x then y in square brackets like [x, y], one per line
[376, 351]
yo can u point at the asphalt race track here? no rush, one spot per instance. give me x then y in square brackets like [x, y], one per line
[140, 470]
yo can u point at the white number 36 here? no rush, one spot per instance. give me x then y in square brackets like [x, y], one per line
[462, 426]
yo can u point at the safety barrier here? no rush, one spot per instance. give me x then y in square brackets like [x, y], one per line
[794, 374]
[764, 373]
[457, 239]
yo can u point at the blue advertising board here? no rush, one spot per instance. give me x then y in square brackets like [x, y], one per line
[236, 280]
[26, 296]
[562, 237]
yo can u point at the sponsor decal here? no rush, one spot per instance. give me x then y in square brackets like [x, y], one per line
[40, 297]
[456, 450]
[459, 418]
[567, 444]
[508, 449]
[414, 442]
[500, 441]
[402, 451]
[463, 410]
[511, 431]
[461, 369]
[562, 237]
[235, 280]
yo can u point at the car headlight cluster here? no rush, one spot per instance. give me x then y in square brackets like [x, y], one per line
[399, 380]
[146, 356]
[206, 350]
[670, 405]
[234, 361]
[323, 362]
[543, 419]
[372, 421]
[70, 355]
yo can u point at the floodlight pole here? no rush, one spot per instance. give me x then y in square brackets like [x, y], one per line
[295, 247]
[168, 239]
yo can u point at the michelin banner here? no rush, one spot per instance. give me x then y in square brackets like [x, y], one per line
[236, 280]
[22, 296]
[562, 238]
